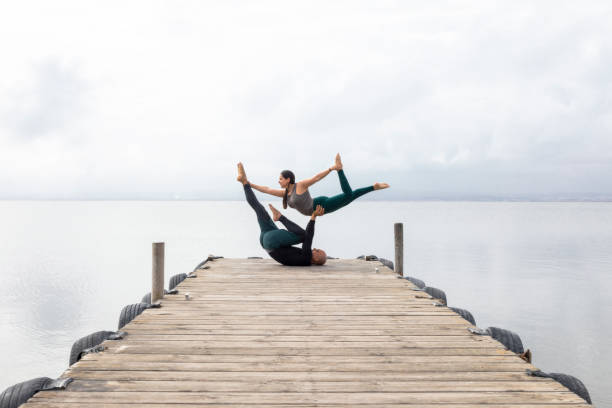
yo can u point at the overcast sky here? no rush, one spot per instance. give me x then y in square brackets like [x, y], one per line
[451, 99]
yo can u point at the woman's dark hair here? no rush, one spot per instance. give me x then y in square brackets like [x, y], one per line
[287, 174]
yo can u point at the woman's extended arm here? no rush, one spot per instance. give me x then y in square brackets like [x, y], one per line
[303, 185]
[268, 190]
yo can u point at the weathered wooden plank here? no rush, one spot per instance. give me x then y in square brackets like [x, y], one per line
[254, 376]
[152, 348]
[313, 297]
[264, 385]
[238, 358]
[303, 329]
[316, 344]
[184, 314]
[276, 331]
[101, 404]
[204, 307]
[143, 324]
[509, 397]
[186, 310]
[463, 338]
[330, 321]
[323, 296]
[496, 366]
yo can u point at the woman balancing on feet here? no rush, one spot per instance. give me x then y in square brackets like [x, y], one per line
[296, 195]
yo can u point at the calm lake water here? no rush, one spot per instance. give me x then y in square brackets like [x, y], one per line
[543, 270]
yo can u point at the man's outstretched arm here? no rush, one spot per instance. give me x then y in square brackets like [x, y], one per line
[307, 245]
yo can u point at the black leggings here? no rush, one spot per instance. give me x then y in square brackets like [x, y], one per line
[270, 236]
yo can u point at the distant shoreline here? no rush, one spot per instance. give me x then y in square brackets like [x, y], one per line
[425, 199]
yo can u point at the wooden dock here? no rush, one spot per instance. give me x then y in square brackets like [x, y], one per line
[257, 334]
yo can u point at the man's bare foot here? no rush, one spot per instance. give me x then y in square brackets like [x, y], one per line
[338, 163]
[242, 178]
[380, 186]
[275, 213]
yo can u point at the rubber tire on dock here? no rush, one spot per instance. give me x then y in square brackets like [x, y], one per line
[508, 338]
[86, 342]
[573, 384]
[436, 293]
[368, 257]
[465, 314]
[147, 298]
[568, 381]
[176, 279]
[417, 282]
[387, 263]
[129, 312]
[17, 394]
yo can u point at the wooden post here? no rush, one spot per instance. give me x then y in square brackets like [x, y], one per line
[157, 290]
[399, 248]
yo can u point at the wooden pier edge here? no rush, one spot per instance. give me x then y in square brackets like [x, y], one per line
[258, 334]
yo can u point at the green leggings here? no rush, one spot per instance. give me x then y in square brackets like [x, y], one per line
[331, 204]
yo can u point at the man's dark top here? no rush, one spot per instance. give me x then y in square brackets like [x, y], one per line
[294, 256]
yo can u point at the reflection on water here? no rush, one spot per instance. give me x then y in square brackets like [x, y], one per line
[540, 269]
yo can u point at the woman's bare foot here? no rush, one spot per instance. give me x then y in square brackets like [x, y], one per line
[338, 164]
[242, 178]
[275, 213]
[380, 186]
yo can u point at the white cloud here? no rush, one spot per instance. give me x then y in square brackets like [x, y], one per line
[52, 99]
[161, 99]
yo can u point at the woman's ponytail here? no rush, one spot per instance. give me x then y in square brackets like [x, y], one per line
[285, 198]
[287, 174]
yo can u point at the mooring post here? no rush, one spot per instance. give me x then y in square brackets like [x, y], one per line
[398, 228]
[157, 289]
